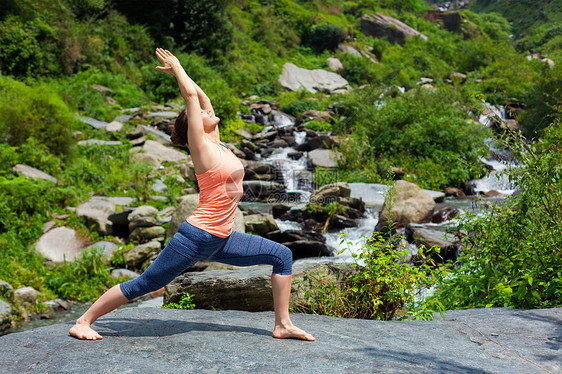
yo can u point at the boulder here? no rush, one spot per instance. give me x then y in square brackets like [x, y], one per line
[142, 222]
[118, 273]
[187, 207]
[288, 236]
[295, 78]
[430, 236]
[320, 141]
[380, 25]
[96, 212]
[29, 172]
[336, 65]
[114, 126]
[96, 124]
[59, 244]
[404, 204]
[445, 213]
[159, 186]
[147, 233]
[142, 211]
[349, 49]
[26, 296]
[308, 248]
[330, 193]
[161, 137]
[147, 158]
[244, 133]
[49, 225]
[247, 288]
[259, 189]
[260, 224]
[163, 114]
[323, 158]
[163, 153]
[106, 248]
[454, 191]
[135, 256]
[5, 315]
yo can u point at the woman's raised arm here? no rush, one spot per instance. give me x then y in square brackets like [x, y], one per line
[190, 93]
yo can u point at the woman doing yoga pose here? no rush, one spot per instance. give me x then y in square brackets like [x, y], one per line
[207, 233]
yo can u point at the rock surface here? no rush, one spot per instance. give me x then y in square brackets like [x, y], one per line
[406, 203]
[5, 315]
[246, 288]
[381, 25]
[152, 340]
[30, 172]
[58, 244]
[295, 78]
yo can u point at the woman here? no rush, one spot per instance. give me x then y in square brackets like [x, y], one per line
[207, 233]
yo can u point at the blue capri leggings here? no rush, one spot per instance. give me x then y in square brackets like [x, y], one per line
[191, 244]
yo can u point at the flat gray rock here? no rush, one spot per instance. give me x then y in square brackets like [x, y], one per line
[152, 340]
[95, 123]
[30, 172]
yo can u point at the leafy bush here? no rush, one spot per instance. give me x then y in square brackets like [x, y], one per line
[34, 112]
[513, 258]
[544, 101]
[325, 36]
[409, 128]
[20, 53]
[381, 287]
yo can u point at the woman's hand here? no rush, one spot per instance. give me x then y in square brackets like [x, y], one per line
[169, 62]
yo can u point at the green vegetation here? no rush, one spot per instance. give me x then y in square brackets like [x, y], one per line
[380, 287]
[186, 303]
[513, 259]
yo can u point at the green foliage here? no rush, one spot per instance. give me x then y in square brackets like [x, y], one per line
[360, 70]
[319, 126]
[325, 36]
[534, 22]
[78, 91]
[34, 112]
[20, 53]
[382, 287]
[186, 302]
[513, 259]
[544, 100]
[410, 130]
[84, 279]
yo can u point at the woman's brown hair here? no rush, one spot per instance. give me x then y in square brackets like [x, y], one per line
[179, 133]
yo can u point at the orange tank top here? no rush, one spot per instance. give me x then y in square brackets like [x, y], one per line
[220, 190]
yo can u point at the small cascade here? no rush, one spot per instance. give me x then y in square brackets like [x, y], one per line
[498, 160]
[355, 237]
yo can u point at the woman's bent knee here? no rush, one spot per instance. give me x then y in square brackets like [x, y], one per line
[284, 265]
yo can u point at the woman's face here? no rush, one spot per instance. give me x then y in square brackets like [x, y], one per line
[209, 118]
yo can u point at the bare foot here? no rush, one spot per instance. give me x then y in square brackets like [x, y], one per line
[291, 331]
[82, 330]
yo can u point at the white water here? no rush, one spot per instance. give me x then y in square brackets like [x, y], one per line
[497, 180]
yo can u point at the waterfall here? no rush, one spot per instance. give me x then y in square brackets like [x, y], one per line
[498, 160]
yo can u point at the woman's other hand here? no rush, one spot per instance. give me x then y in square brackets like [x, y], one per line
[169, 62]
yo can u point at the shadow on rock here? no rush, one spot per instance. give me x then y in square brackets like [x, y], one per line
[423, 361]
[159, 328]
